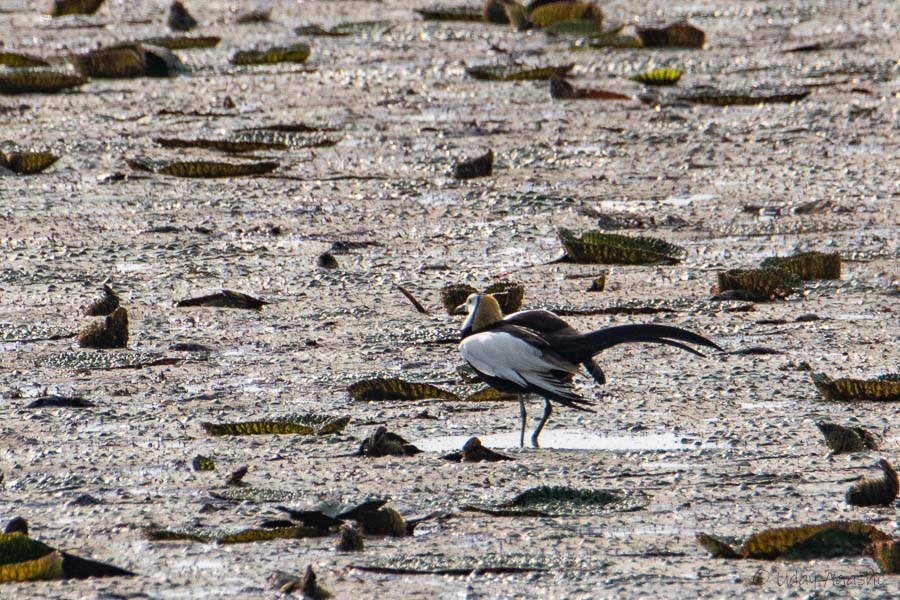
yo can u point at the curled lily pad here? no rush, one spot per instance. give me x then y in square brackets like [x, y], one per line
[224, 299]
[203, 168]
[232, 146]
[505, 73]
[47, 567]
[842, 439]
[882, 389]
[396, 389]
[296, 53]
[808, 265]
[676, 35]
[876, 492]
[302, 425]
[26, 163]
[121, 62]
[451, 13]
[757, 284]
[17, 60]
[509, 295]
[111, 333]
[661, 76]
[611, 248]
[718, 547]
[60, 8]
[550, 13]
[38, 81]
[184, 42]
[25, 559]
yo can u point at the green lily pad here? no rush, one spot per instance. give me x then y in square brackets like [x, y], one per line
[882, 389]
[808, 265]
[296, 53]
[506, 73]
[661, 76]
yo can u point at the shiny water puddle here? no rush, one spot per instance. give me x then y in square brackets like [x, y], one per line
[574, 439]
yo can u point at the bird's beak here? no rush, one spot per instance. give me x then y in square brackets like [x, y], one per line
[462, 309]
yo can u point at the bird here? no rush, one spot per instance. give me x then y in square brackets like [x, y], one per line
[537, 352]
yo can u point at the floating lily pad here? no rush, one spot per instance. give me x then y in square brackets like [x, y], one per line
[301, 425]
[38, 81]
[842, 439]
[396, 389]
[808, 265]
[17, 60]
[203, 168]
[882, 389]
[661, 76]
[876, 492]
[104, 360]
[296, 53]
[506, 73]
[224, 299]
[232, 146]
[609, 248]
[60, 8]
[26, 163]
[184, 42]
[808, 542]
[565, 10]
[757, 284]
[450, 13]
[676, 35]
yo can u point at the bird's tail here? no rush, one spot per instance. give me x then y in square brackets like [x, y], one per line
[592, 343]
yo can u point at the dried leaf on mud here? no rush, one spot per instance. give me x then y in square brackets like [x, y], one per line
[474, 451]
[842, 439]
[310, 424]
[111, 333]
[489, 394]
[396, 389]
[886, 554]
[676, 35]
[38, 81]
[807, 265]
[183, 42]
[295, 53]
[18, 60]
[203, 168]
[60, 8]
[875, 492]
[450, 13]
[231, 146]
[482, 166]
[595, 247]
[385, 443]
[105, 304]
[224, 299]
[223, 536]
[757, 284]
[882, 389]
[507, 73]
[26, 163]
[807, 542]
[552, 13]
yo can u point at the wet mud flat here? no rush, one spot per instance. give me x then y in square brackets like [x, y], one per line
[726, 446]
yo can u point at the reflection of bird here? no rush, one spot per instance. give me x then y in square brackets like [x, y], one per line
[536, 352]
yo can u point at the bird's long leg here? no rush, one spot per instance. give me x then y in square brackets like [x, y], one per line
[548, 410]
[524, 418]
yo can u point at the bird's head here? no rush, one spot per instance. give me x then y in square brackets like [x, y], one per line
[483, 311]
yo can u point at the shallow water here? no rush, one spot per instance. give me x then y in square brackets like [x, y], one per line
[570, 439]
